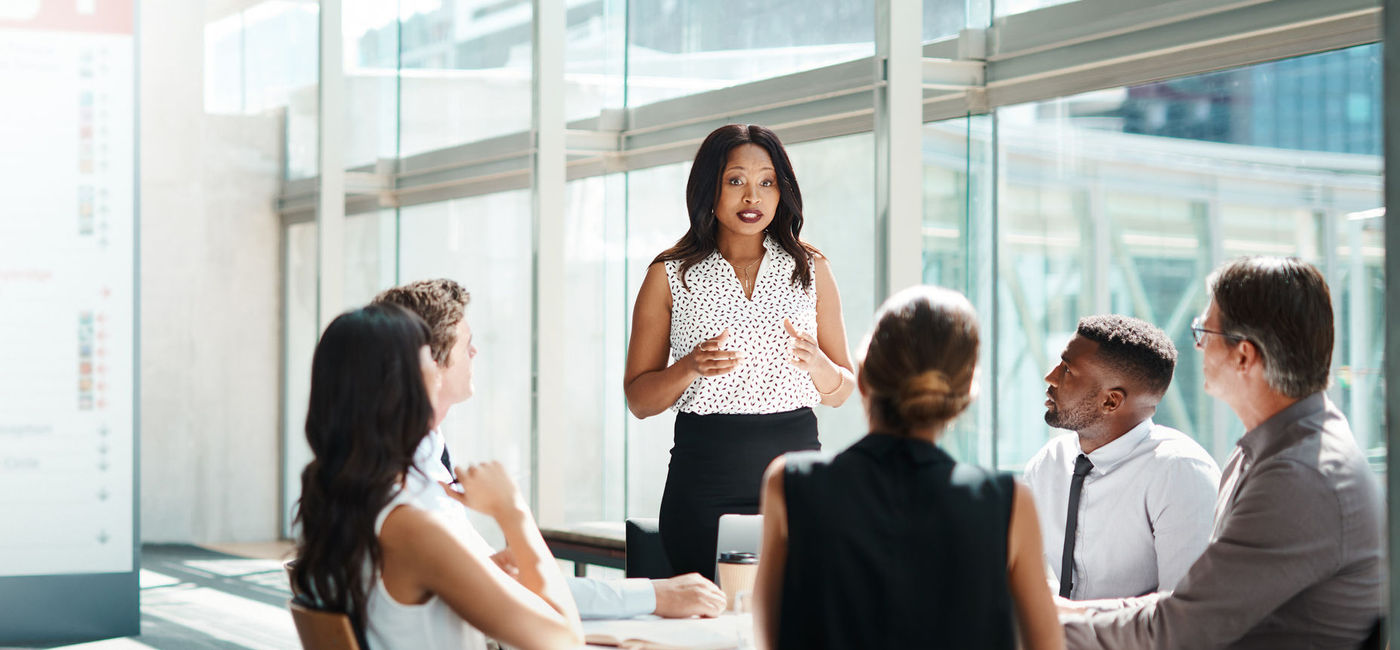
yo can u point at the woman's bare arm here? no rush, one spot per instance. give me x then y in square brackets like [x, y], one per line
[831, 333]
[419, 550]
[1025, 570]
[768, 586]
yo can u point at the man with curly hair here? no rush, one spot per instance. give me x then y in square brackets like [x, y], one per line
[1125, 504]
[442, 304]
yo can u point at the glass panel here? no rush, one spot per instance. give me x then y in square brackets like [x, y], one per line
[956, 227]
[484, 244]
[1124, 200]
[223, 65]
[944, 18]
[594, 57]
[263, 60]
[370, 255]
[656, 218]
[370, 31]
[590, 486]
[683, 47]
[465, 70]
[299, 335]
[838, 198]
[281, 48]
[1008, 7]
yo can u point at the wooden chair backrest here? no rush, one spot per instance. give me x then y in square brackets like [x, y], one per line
[291, 582]
[320, 630]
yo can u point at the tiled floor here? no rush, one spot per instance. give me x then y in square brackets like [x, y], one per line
[193, 597]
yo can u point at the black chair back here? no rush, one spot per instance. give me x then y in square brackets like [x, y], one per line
[646, 557]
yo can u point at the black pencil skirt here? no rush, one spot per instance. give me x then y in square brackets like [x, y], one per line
[717, 468]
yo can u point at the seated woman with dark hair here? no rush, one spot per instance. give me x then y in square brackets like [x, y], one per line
[391, 549]
[891, 543]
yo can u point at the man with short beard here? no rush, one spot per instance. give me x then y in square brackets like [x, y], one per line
[1125, 504]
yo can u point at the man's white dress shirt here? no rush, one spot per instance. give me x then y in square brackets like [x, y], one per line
[1145, 515]
[595, 598]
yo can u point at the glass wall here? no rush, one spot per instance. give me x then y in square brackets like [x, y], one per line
[1117, 200]
[482, 243]
[1123, 200]
[683, 47]
[592, 486]
[464, 69]
[261, 60]
[656, 218]
[838, 196]
[956, 231]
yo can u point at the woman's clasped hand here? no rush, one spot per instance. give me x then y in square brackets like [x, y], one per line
[710, 358]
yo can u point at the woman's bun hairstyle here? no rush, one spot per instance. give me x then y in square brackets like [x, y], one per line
[920, 359]
[928, 398]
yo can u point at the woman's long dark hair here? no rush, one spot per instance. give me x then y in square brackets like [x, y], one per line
[368, 411]
[702, 190]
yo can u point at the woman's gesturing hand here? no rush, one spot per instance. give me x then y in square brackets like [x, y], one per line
[486, 488]
[807, 355]
[708, 360]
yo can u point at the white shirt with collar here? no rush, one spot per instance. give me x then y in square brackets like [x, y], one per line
[1145, 515]
[595, 598]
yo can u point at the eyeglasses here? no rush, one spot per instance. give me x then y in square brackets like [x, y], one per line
[1199, 333]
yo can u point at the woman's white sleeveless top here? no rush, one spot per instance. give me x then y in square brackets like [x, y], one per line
[712, 300]
[432, 625]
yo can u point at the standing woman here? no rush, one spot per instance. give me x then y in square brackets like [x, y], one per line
[738, 328]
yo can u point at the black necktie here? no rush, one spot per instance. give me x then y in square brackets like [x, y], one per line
[447, 462]
[1076, 485]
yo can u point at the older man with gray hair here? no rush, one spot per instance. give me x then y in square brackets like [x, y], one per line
[1295, 557]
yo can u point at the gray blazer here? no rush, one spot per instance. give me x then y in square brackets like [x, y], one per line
[1295, 560]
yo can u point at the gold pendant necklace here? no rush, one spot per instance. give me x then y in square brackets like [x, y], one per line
[744, 282]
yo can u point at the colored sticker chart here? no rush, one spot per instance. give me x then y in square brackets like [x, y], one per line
[67, 317]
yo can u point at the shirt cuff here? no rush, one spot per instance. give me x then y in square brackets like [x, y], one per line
[612, 598]
[638, 596]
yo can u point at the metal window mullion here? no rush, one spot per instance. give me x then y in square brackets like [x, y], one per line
[898, 126]
[1222, 418]
[985, 284]
[1391, 97]
[549, 318]
[330, 194]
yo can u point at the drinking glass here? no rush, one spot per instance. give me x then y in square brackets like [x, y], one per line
[743, 619]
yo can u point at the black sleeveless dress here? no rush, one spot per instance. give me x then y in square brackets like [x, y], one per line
[893, 544]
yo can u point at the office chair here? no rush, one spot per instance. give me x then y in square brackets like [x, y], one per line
[645, 556]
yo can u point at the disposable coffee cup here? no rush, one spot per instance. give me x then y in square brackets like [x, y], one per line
[736, 574]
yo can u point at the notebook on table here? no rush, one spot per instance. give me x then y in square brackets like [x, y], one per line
[651, 633]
